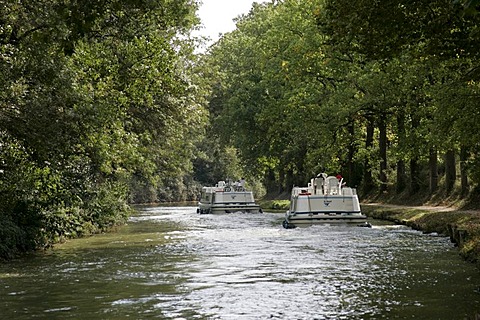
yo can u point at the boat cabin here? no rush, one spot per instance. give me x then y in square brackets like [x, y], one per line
[324, 186]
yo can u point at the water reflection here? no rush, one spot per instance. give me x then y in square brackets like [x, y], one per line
[171, 263]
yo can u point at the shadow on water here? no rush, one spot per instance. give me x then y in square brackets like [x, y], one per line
[171, 263]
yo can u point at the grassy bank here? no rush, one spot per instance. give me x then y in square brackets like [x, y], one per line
[274, 205]
[463, 227]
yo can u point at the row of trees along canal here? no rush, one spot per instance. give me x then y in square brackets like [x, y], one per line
[384, 92]
[106, 103]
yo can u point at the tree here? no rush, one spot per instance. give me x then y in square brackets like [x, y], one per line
[379, 88]
[92, 95]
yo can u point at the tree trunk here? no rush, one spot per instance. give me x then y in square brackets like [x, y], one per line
[282, 186]
[433, 170]
[289, 180]
[367, 175]
[271, 184]
[401, 176]
[450, 171]
[401, 179]
[383, 155]
[414, 180]
[351, 153]
[414, 170]
[464, 170]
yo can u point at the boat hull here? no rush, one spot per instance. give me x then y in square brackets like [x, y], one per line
[311, 218]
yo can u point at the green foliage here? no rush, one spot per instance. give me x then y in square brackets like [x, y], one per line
[280, 205]
[360, 88]
[93, 95]
[103, 102]
[13, 240]
[268, 85]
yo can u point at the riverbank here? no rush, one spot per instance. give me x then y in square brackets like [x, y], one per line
[462, 226]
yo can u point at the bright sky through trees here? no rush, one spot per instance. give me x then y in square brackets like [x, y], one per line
[217, 16]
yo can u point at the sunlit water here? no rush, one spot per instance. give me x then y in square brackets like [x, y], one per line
[171, 263]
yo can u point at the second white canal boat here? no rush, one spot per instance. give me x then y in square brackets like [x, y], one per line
[227, 198]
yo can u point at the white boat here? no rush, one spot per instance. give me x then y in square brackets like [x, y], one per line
[324, 200]
[227, 198]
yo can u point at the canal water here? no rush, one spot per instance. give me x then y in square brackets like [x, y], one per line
[171, 263]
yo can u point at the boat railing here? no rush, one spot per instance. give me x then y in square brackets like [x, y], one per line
[324, 186]
[229, 187]
[333, 186]
[234, 189]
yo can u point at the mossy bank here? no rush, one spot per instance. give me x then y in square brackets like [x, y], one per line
[463, 227]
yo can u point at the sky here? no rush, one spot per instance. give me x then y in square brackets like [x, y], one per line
[217, 16]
